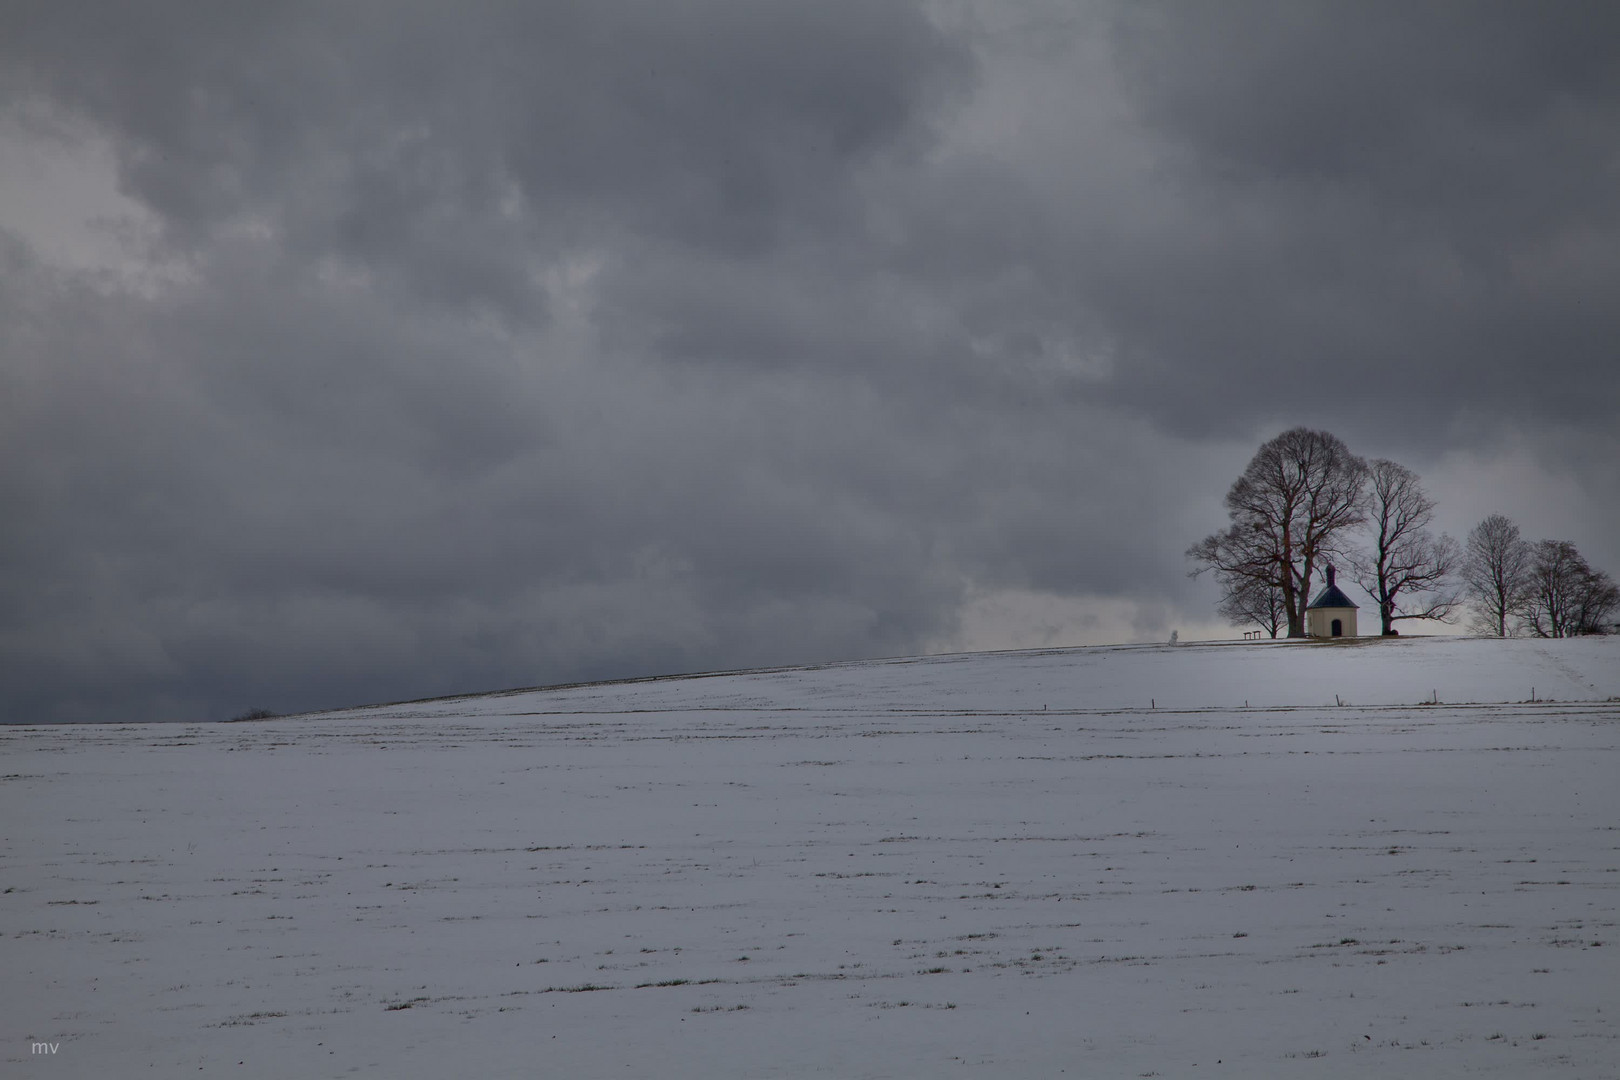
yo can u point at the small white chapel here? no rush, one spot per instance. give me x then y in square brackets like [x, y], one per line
[1331, 614]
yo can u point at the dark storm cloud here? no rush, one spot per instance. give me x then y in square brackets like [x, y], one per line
[1411, 206]
[203, 508]
[456, 348]
[462, 149]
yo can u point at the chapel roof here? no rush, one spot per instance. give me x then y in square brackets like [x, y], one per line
[1331, 595]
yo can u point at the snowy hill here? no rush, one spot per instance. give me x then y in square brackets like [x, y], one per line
[1362, 671]
[1260, 859]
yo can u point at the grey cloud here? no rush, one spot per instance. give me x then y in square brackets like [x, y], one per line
[462, 150]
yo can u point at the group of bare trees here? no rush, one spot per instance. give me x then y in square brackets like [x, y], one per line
[1544, 588]
[1305, 499]
[1301, 491]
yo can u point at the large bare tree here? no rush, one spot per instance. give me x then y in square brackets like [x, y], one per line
[1408, 569]
[1496, 574]
[1566, 596]
[1289, 511]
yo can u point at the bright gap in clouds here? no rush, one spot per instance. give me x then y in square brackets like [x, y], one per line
[993, 619]
[59, 192]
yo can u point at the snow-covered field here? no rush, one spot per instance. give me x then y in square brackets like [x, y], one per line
[1248, 860]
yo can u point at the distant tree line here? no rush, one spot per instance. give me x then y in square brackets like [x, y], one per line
[1305, 500]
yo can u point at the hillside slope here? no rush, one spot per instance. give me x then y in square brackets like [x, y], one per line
[1364, 671]
[1093, 862]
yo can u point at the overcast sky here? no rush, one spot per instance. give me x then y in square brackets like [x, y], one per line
[362, 351]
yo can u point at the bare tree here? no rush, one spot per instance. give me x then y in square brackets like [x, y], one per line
[1246, 600]
[1408, 569]
[1496, 573]
[1553, 571]
[1566, 596]
[1597, 601]
[1289, 509]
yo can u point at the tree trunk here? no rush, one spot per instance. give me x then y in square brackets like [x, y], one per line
[1295, 597]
